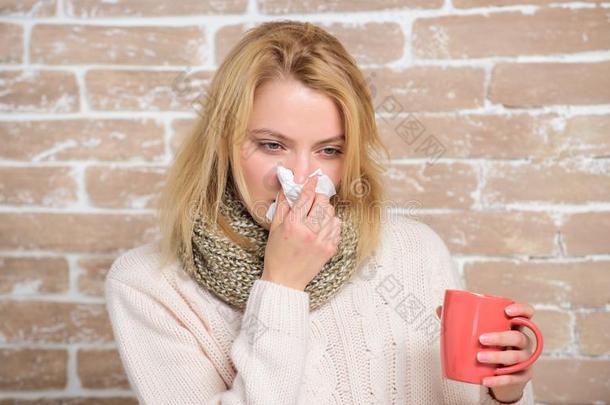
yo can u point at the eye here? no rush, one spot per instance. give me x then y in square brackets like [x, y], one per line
[270, 146]
[333, 151]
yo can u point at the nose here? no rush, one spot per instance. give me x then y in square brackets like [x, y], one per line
[301, 169]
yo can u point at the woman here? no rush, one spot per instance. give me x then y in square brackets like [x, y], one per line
[334, 299]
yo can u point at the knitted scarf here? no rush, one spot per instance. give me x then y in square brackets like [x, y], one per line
[229, 271]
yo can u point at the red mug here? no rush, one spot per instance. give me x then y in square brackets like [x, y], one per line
[466, 316]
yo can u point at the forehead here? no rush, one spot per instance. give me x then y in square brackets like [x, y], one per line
[291, 108]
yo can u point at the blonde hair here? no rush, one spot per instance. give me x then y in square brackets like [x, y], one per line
[208, 158]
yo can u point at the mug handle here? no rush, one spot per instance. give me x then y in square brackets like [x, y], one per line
[521, 321]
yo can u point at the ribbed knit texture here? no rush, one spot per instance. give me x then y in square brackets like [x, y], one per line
[377, 341]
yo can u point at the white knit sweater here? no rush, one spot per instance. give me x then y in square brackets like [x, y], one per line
[377, 341]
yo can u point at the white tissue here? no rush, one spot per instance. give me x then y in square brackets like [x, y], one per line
[292, 189]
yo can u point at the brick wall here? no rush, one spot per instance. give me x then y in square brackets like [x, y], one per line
[497, 114]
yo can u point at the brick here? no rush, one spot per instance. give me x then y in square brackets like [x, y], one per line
[38, 91]
[33, 369]
[464, 136]
[145, 45]
[99, 369]
[226, 38]
[82, 139]
[514, 136]
[368, 43]
[179, 90]
[430, 185]
[319, 6]
[581, 182]
[89, 233]
[11, 43]
[28, 8]
[586, 233]
[582, 136]
[424, 88]
[593, 331]
[494, 232]
[53, 187]
[545, 32]
[162, 8]
[501, 3]
[555, 327]
[91, 279]
[371, 42]
[539, 84]
[116, 187]
[33, 275]
[181, 128]
[571, 380]
[54, 322]
[553, 283]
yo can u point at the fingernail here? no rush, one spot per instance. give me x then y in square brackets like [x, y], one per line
[482, 356]
[510, 310]
[485, 338]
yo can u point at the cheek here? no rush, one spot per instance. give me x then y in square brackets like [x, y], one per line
[334, 170]
[260, 175]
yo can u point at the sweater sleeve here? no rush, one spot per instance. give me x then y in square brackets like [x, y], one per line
[165, 364]
[447, 277]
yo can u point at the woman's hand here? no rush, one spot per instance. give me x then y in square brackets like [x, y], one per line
[301, 239]
[509, 387]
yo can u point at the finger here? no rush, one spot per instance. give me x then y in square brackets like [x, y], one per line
[319, 215]
[281, 210]
[324, 210]
[520, 377]
[339, 230]
[505, 357]
[439, 311]
[335, 236]
[332, 231]
[520, 309]
[302, 205]
[514, 338]
[336, 231]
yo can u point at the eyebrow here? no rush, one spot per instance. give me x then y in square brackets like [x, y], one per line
[267, 131]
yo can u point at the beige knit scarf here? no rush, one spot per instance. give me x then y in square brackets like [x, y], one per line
[229, 271]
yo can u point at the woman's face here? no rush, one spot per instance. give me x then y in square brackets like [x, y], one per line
[296, 127]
